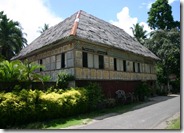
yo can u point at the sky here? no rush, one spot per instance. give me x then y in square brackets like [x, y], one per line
[33, 14]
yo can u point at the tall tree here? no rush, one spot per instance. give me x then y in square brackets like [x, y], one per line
[160, 16]
[139, 32]
[11, 37]
[166, 45]
[45, 27]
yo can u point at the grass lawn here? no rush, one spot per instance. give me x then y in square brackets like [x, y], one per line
[175, 124]
[80, 119]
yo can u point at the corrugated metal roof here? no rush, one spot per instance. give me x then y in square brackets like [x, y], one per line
[89, 28]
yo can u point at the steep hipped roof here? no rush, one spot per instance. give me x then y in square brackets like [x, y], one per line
[87, 27]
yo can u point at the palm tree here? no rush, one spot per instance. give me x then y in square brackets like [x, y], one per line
[139, 33]
[45, 27]
[11, 37]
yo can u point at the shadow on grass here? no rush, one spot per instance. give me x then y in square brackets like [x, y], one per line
[54, 124]
[97, 115]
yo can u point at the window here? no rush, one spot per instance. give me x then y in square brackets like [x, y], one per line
[124, 66]
[147, 66]
[47, 63]
[41, 64]
[53, 62]
[90, 60]
[133, 66]
[58, 61]
[119, 65]
[139, 70]
[85, 59]
[101, 62]
[96, 61]
[115, 64]
[63, 60]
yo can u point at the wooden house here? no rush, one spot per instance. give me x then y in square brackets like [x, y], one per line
[92, 50]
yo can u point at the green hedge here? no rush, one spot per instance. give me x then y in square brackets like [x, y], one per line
[35, 105]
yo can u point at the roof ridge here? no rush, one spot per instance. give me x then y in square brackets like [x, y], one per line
[90, 28]
[75, 24]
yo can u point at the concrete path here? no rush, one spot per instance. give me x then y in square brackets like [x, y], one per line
[150, 115]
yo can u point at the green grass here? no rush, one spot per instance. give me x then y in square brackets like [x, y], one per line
[175, 124]
[78, 120]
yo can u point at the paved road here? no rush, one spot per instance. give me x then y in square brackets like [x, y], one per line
[148, 117]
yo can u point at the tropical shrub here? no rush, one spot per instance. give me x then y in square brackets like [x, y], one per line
[17, 73]
[29, 74]
[142, 91]
[94, 94]
[10, 71]
[63, 80]
[110, 102]
[27, 106]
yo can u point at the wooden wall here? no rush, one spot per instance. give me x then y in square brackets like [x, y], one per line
[147, 70]
[73, 51]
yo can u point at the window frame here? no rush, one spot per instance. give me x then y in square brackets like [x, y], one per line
[101, 61]
[41, 63]
[124, 66]
[134, 67]
[115, 64]
[85, 59]
[63, 60]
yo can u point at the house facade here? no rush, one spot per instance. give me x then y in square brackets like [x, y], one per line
[93, 51]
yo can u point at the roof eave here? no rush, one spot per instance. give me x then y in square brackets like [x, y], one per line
[54, 44]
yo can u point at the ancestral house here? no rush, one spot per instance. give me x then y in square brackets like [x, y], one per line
[92, 50]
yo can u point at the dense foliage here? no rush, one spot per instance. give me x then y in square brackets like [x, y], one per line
[28, 106]
[139, 33]
[166, 45]
[160, 16]
[17, 73]
[63, 80]
[11, 37]
[21, 106]
[164, 42]
[25, 106]
[142, 91]
[94, 94]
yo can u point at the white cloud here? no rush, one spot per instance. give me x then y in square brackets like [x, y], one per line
[148, 5]
[125, 21]
[171, 1]
[146, 27]
[31, 14]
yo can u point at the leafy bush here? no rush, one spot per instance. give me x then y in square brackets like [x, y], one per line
[35, 105]
[94, 94]
[110, 102]
[17, 73]
[9, 71]
[175, 86]
[161, 92]
[63, 80]
[142, 91]
[11, 110]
